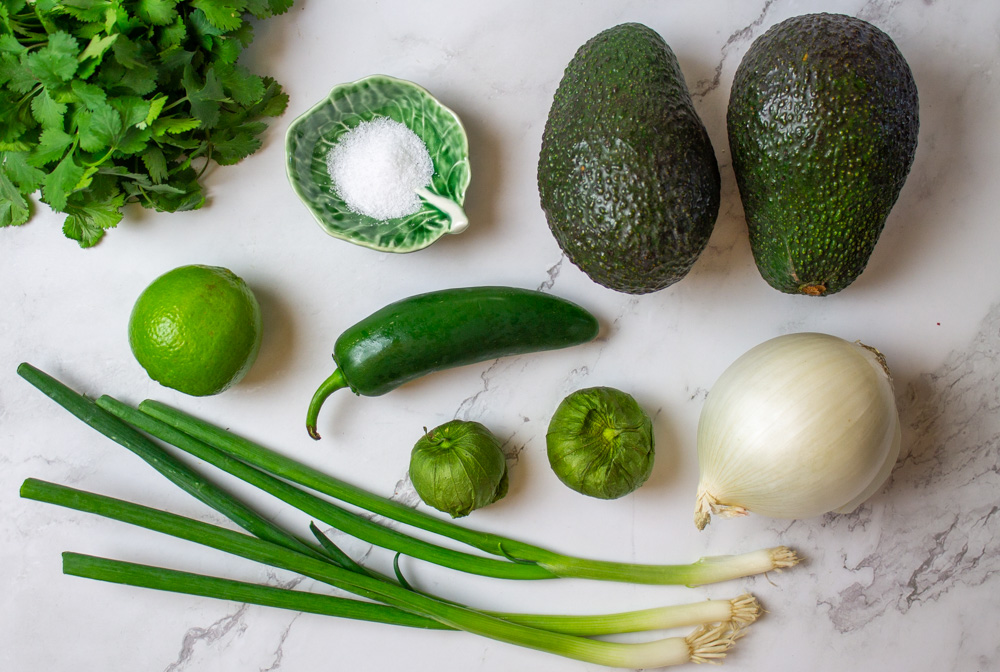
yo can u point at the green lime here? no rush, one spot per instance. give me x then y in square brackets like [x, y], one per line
[196, 329]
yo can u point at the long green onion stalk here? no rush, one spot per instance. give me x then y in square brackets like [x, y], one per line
[176, 581]
[740, 611]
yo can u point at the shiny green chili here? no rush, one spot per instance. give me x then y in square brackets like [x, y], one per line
[444, 329]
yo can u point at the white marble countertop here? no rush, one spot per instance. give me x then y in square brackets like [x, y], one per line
[910, 581]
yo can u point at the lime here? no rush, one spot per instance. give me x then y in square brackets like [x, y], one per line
[196, 329]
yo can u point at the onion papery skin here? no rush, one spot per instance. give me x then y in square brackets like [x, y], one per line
[798, 426]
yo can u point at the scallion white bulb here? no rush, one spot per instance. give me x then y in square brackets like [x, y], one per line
[798, 426]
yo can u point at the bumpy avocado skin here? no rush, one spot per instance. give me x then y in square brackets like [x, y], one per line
[627, 175]
[822, 122]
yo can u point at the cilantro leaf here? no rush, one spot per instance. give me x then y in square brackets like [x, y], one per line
[188, 196]
[157, 12]
[99, 127]
[85, 10]
[204, 98]
[52, 145]
[10, 44]
[14, 120]
[274, 102]
[203, 29]
[156, 164]
[90, 95]
[174, 125]
[87, 219]
[8, 67]
[47, 111]
[225, 15]
[173, 35]
[235, 147]
[58, 184]
[27, 177]
[133, 109]
[265, 8]
[226, 49]
[14, 209]
[56, 62]
[98, 45]
[155, 107]
[22, 79]
[242, 86]
[134, 140]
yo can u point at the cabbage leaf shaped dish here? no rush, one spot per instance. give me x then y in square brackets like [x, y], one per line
[311, 136]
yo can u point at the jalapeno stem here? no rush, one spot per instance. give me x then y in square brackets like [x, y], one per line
[335, 382]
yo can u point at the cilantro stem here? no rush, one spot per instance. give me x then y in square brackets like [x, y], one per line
[174, 104]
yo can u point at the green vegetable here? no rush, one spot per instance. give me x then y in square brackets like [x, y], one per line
[516, 559]
[107, 103]
[452, 327]
[626, 174]
[561, 635]
[740, 611]
[459, 467]
[823, 123]
[600, 443]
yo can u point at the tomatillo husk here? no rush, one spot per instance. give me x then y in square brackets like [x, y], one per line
[459, 467]
[600, 443]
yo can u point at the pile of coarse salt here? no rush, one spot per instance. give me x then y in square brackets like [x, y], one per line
[377, 167]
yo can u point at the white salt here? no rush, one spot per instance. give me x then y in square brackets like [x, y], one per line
[377, 167]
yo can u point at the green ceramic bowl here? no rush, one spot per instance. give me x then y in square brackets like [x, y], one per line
[311, 136]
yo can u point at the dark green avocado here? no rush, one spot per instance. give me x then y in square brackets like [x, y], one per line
[822, 126]
[627, 175]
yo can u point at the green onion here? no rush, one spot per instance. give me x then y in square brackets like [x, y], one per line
[706, 570]
[175, 581]
[706, 643]
[741, 611]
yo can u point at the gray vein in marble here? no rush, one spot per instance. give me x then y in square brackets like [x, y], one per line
[704, 87]
[229, 624]
[938, 527]
[878, 11]
[232, 624]
[627, 308]
[469, 403]
[512, 449]
[279, 650]
[552, 272]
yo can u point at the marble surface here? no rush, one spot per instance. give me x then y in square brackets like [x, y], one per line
[907, 582]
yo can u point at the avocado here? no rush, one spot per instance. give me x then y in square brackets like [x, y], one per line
[822, 125]
[627, 175]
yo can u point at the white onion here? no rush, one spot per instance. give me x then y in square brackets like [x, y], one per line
[800, 425]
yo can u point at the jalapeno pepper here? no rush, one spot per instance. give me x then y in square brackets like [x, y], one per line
[444, 329]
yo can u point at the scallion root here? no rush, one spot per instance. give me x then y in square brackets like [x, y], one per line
[783, 557]
[745, 610]
[710, 643]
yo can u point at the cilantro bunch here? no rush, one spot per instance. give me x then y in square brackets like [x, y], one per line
[108, 102]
